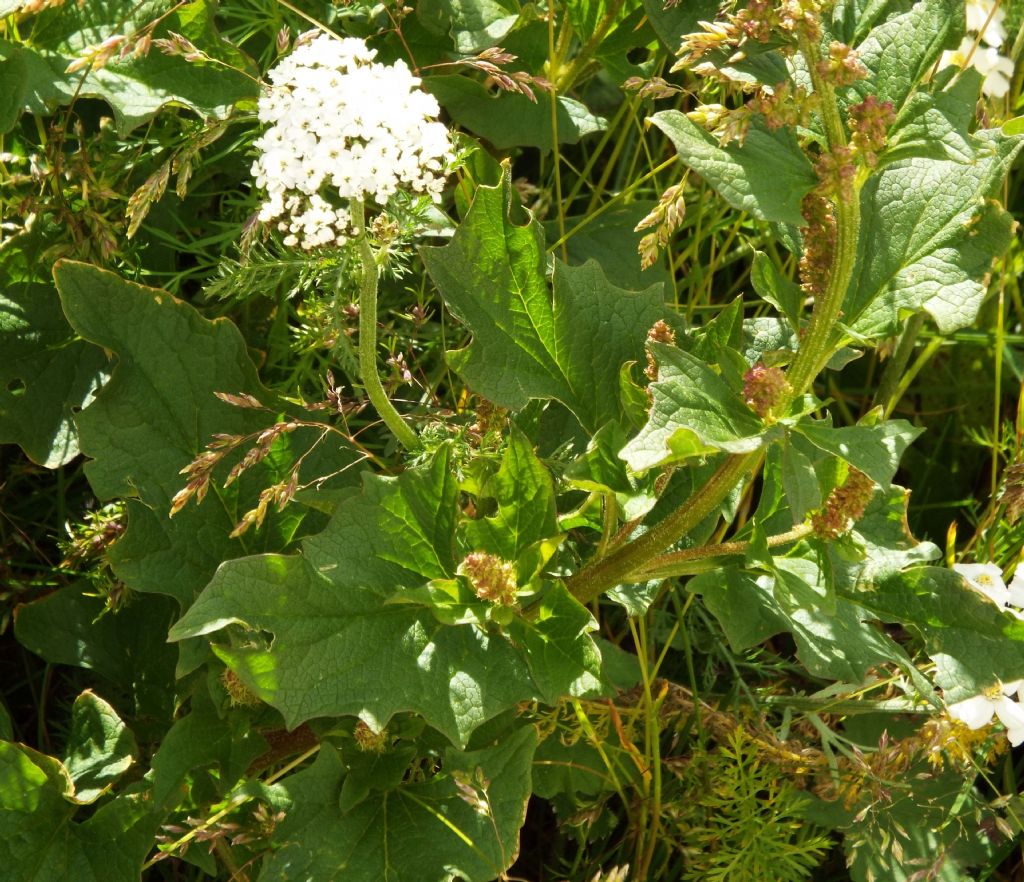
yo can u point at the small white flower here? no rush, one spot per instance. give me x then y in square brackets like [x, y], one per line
[995, 68]
[978, 12]
[978, 711]
[987, 579]
[343, 127]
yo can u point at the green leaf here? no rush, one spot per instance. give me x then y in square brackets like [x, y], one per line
[202, 738]
[135, 88]
[45, 374]
[929, 238]
[338, 635]
[900, 52]
[6, 729]
[837, 645]
[155, 415]
[671, 23]
[526, 342]
[561, 653]
[424, 832]
[611, 240]
[936, 125]
[40, 841]
[473, 24]
[509, 119]
[525, 495]
[100, 748]
[972, 641]
[128, 647]
[782, 293]
[13, 85]
[768, 176]
[800, 481]
[694, 413]
[875, 450]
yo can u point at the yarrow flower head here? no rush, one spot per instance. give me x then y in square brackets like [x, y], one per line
[343, 127]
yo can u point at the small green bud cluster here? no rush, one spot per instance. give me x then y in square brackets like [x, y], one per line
[842, 67]
[764, 389]
[844, 505]
[837, 172]
[761, 22]
[369, 741]
[492, 578]
[783, 105]
[869, 126]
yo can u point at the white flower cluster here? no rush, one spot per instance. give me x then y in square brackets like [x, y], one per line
[343, 127]
[986, 29]
[976, 712]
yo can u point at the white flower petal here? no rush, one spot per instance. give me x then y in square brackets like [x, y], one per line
[975, 712]
[1010, 713]
[987, 579]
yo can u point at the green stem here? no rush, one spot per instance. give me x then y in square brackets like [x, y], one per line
[816, 348]
[598, 577]
[886, 397]
[680, 563]
[566, 79]
[368, 335]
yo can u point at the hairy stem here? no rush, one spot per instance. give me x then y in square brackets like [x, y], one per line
[368, 335]
[679, 563]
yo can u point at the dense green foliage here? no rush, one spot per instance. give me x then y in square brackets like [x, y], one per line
[636, 562]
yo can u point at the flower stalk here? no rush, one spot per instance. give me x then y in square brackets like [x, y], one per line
[368, 334]
[819, 341]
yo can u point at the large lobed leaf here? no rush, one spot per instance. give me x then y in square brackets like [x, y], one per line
[40, 841]
[343, 645]
[527, 342]
[695, 412]
[45, 373]
[154, 416]
[767, 176]
[434, 831]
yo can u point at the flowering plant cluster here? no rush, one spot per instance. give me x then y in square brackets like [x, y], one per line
[374, 547]
[343, 127]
